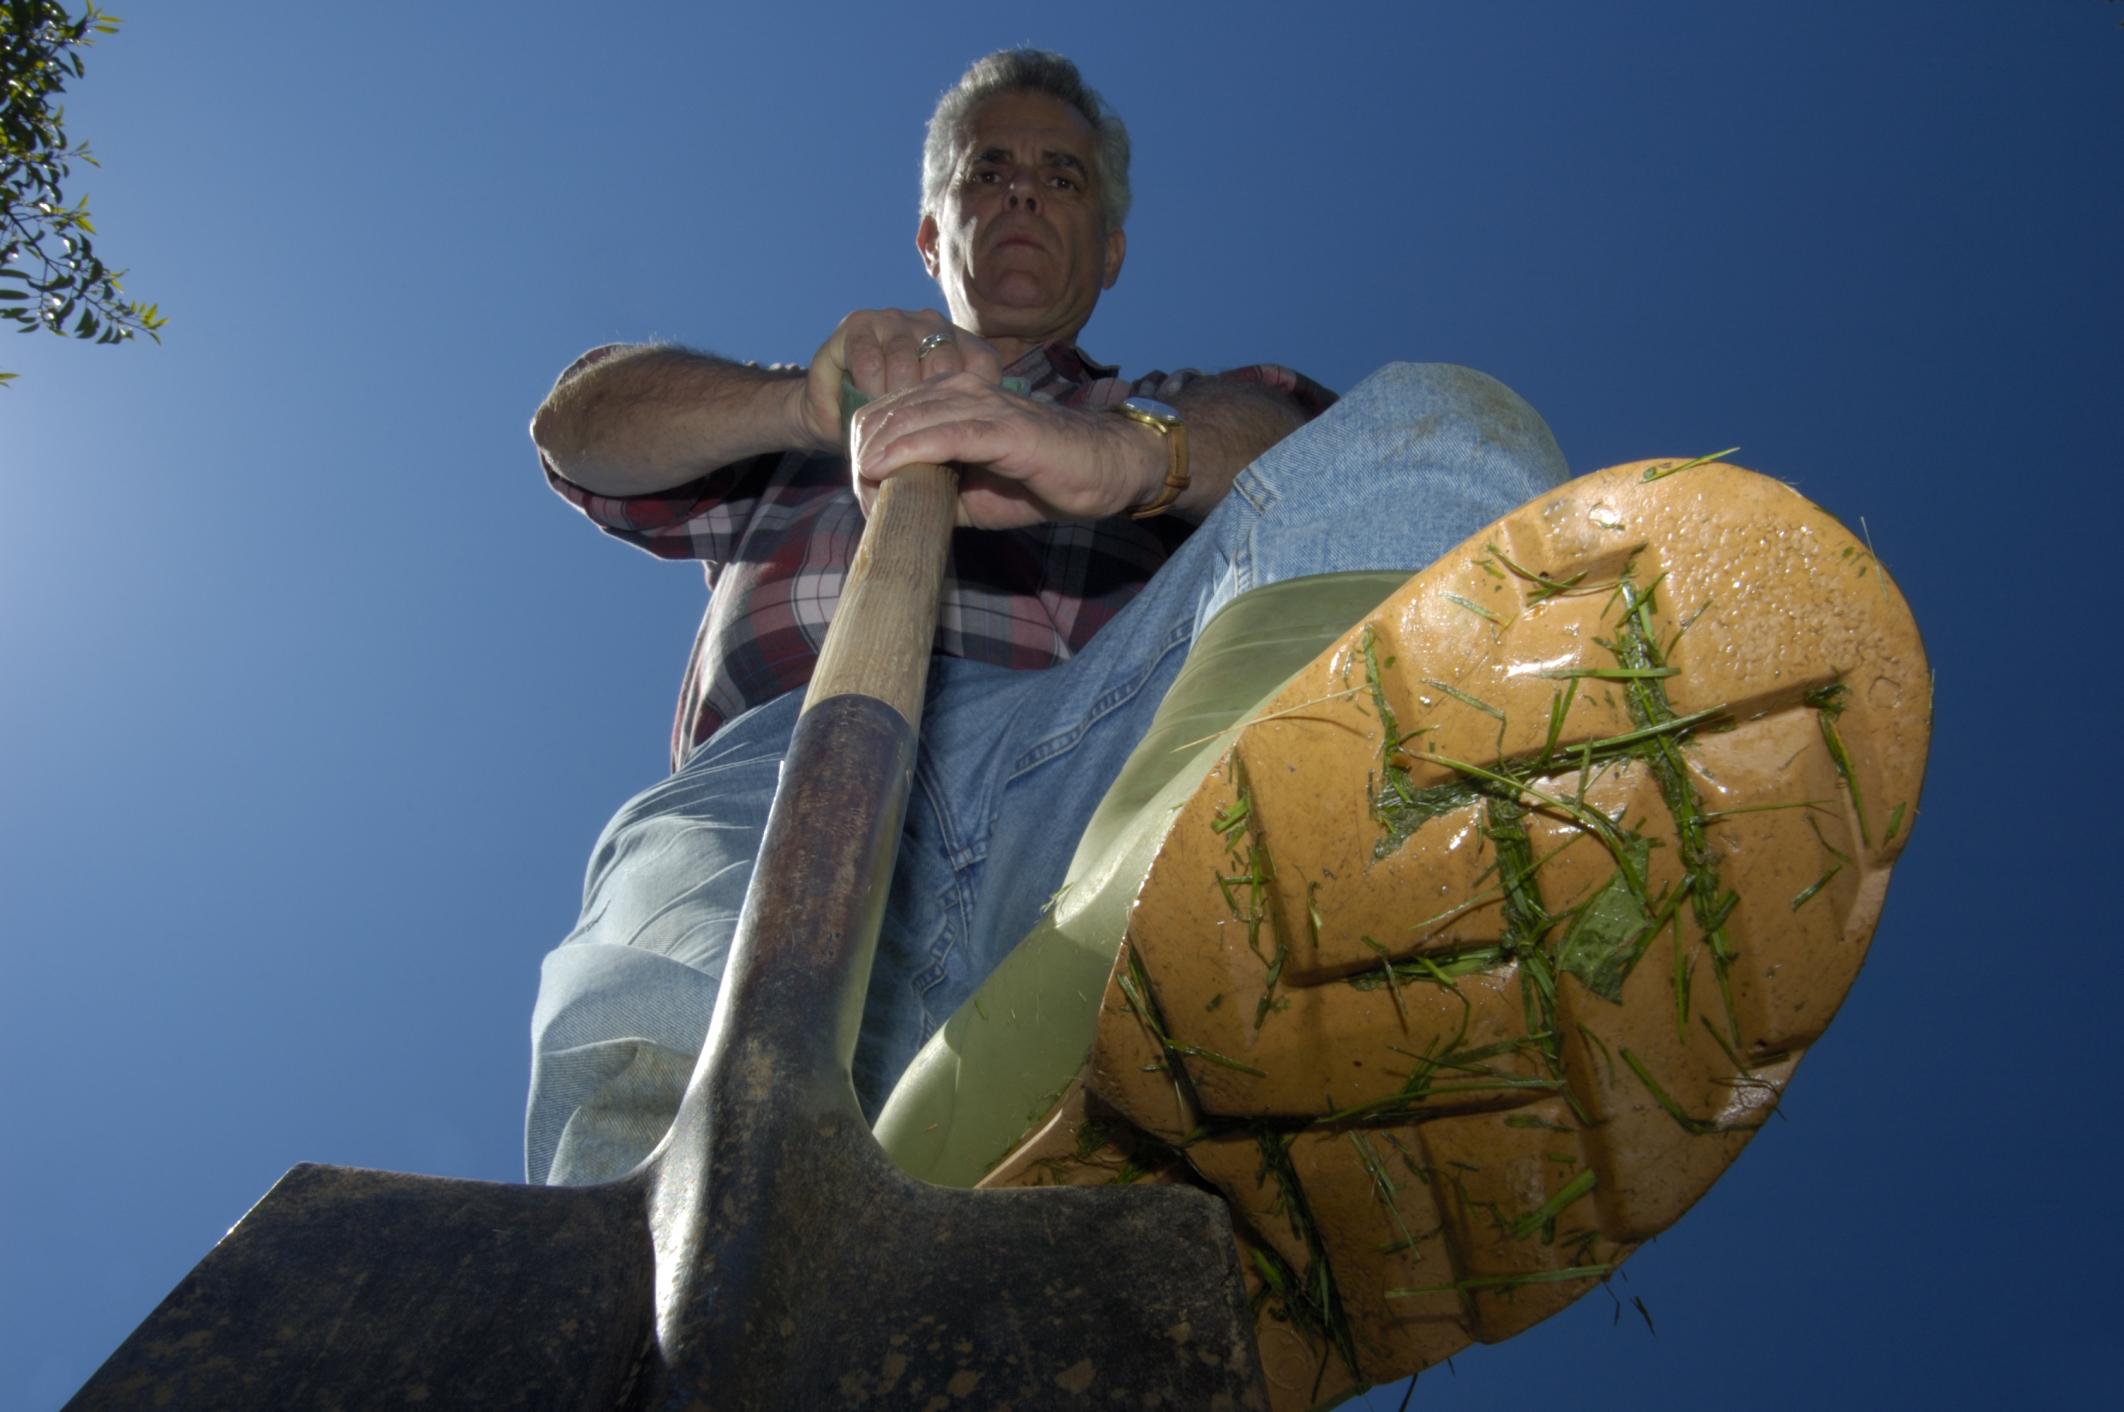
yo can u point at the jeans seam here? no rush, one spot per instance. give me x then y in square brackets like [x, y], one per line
[962, 855]
[956, 911]
[1258, 493]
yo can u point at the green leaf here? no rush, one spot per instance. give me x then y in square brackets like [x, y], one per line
[48, 237]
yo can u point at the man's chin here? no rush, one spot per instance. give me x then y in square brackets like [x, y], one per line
[1013, 290]
[1025, 310]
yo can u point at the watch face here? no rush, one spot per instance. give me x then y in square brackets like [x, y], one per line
[1153, 408]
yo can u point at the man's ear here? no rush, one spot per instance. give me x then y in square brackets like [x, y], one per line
[926, 242]
[1116, 252]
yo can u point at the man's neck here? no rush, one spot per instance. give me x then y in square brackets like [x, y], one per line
[1013, 350]
[1011, 347]
[1010, 350]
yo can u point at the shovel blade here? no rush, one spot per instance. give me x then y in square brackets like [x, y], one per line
[803, 1269]
[906, 1295]
[347, 1288]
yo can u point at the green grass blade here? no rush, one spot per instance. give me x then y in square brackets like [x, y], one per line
[1653, 473]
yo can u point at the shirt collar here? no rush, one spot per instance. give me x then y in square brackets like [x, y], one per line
[1059, 360]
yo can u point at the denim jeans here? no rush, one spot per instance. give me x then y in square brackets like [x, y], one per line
[1011, 764]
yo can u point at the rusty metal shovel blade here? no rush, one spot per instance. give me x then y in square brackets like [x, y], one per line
[768, 1254]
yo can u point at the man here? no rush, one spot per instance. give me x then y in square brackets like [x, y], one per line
[1506, 855]
[1074, 591]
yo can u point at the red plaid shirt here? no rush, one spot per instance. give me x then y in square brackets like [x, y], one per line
[775, 535]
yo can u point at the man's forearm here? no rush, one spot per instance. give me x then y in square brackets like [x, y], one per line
[1229, 423]
[648, 418]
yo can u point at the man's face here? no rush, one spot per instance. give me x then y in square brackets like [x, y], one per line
[1017, 242]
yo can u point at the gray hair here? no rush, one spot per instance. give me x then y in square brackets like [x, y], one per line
[1027, 71]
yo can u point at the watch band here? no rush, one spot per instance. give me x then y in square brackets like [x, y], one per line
[1168, 423]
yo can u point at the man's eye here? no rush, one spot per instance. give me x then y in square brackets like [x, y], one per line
[1065, 183]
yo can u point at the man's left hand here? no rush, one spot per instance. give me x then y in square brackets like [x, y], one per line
[1022, 461]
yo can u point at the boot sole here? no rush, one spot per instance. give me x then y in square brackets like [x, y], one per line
[1491, 940]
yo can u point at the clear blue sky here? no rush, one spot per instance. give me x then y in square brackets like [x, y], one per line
[313, 697]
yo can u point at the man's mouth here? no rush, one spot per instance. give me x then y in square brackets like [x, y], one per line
[1017, 232]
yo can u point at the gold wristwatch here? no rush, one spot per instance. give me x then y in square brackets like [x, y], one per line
[1167, 422]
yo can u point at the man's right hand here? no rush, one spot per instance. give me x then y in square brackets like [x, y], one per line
[879, 350]
[637, 421]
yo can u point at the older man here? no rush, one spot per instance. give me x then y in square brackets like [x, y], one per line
[1105, 520]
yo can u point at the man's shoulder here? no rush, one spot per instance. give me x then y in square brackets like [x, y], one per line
[1311, 397]
[1063, 372]
[1308, 396]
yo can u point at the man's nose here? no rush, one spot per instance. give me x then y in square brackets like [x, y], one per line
[1024, 191]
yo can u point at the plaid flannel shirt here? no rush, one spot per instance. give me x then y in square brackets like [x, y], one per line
[775, 535]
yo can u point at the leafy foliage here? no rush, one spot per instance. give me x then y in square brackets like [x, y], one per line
[50, 275]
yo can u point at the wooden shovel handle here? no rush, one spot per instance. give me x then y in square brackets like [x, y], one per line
[878, 642]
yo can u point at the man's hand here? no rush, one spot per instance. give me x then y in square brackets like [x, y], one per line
[1024, 461]
[880, 351]
[1021, 461]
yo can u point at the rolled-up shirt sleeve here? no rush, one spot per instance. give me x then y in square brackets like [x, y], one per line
[703, 519]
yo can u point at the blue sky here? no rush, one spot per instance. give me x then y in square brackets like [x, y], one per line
[313, 698]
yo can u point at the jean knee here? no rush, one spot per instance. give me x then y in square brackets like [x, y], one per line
[1426, 389]
[1456, 407]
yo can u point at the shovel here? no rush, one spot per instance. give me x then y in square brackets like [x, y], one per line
[768, 1254]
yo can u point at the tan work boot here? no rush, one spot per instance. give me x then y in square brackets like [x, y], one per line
[1482, 950]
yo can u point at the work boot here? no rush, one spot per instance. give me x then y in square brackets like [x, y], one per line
[1476, 954]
